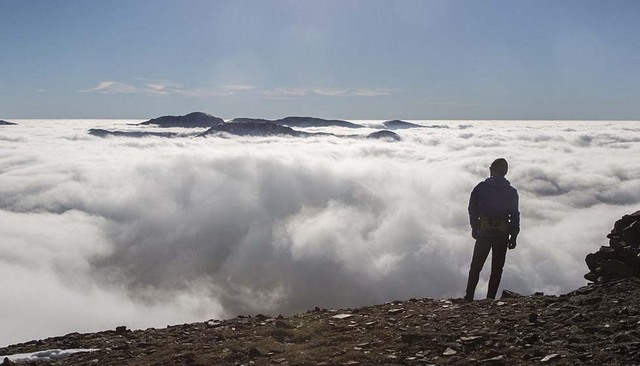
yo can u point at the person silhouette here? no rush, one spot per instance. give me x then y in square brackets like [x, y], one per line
[495, 224]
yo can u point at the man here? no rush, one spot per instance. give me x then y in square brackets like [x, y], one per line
[495, 224]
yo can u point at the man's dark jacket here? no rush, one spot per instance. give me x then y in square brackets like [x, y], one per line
[494, 198]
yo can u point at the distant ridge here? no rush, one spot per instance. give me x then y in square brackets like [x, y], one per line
[5, 123]
[253, 129]
[398, 124]
[104, 133]
[301, 122]
[191, 120]
[384, 135]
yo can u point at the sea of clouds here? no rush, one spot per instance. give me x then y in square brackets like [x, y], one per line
[99, 232]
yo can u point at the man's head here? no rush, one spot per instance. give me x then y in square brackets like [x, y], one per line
[499, 168]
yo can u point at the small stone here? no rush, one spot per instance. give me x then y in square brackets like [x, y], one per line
[501, 303]
[470, 339]
[533, 318]
[253, 353]
[6, 362]
[506, 294]
[121, 329]
[550, 357]
[497, 360]
[395, 311]
[449, 352]
[279, 360]
[342, 316]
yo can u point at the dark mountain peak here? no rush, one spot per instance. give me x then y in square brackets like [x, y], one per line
[384, 135]
[191, 120]
[397, 124]
[315, 122]
[250, 120]
[5, 123]
[104, 133]
[253, 129]
[300, 122]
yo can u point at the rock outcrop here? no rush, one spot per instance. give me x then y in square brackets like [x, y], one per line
[621, 259]
[5, 123]
[191, 120]
[595, 325]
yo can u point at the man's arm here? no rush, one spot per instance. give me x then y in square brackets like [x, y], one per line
[473, 211]
[515, 220]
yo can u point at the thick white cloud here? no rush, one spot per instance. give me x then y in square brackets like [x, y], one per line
[146, 232]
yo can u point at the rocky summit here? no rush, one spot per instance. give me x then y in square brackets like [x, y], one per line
[253, 129]
[105, 133]
[5, 123]
[301, 122]
[191, 120]
[398, 124]
[593, 325]
[384, 135]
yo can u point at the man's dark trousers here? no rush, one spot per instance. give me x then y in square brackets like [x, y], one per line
[498, 247]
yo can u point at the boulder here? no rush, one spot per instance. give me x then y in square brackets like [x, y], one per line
[621, 259]
[506, 294]
[191, 120]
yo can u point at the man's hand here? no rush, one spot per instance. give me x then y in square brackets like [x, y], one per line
[512, 242]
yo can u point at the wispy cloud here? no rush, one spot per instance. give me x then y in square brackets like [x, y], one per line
[168, 87]
[111, 87]
[328, 92]
[165, 87]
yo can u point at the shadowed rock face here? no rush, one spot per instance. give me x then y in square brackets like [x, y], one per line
[315, 122]
[250, 120]
[253, 129]
[5, 123]
[300, 122]
[104, 133]
[384, 135]
[398, 124]
[191, 120]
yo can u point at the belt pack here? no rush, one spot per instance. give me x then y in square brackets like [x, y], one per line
[490, 225]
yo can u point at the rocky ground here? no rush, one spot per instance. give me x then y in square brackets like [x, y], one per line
[597, 324]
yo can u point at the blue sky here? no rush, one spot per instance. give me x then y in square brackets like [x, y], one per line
[336, 59]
